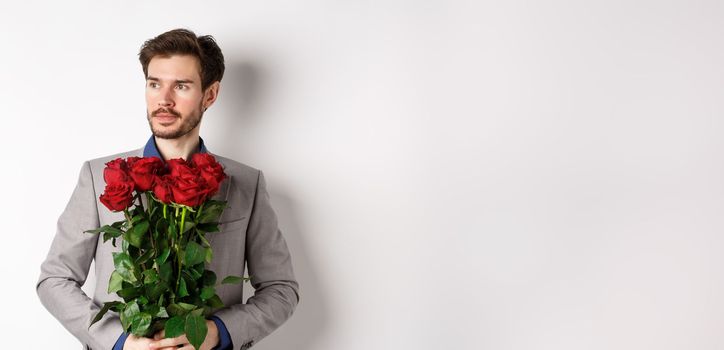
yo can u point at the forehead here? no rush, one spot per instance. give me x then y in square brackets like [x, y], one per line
[174, 67]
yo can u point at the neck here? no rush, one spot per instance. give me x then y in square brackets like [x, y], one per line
[182, 147]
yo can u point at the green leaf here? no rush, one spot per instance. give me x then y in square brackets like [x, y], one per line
[185, 306]
[196, 271]
[150, 276]
[162, 225]
[129, 293]
[156, 290]
[208, 227]
[128, 314]
[215, 302]
[166, 271]
[212, 211]
[124, 266]
[145, 257]
[173, 230]
[135, 235]
[207, 293]
[190, 282]
[115, 283]
[106, 228]
[180, 309]
[182, 292]
[136, 216]
[209, 278]
[119, 307]
[197, 312]
[140, 323]
[174, 326]
[209, 255]
[233, 280]
[164, 255]
[151, 309]
[194, 253]
[161, 312]
[202, 236]
[110, 235]
[195, 330]
[103, 310]
[188, 225]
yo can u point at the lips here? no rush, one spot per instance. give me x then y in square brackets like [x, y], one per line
[163, 117]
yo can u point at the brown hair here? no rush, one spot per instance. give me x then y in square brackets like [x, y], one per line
[185, 42]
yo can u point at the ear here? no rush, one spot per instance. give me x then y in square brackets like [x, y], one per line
[211, 93]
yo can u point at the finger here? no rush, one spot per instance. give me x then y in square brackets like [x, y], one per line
[166, 342]
[179, 347]
[169, 348]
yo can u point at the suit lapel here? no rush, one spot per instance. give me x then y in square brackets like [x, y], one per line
[223, 193]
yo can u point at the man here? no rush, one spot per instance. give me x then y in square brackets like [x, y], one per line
[183, 75]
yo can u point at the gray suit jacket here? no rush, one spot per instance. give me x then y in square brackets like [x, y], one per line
[248, 234]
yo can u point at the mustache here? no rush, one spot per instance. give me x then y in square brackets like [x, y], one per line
[167, 111]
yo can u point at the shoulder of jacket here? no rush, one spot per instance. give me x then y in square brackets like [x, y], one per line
[100, 162]
[240, 171]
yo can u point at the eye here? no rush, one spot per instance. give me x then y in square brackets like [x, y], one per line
[182, 87]
[152, 84]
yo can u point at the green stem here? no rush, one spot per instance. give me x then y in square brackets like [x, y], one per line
[128, 216]
[140, 202]
[183, 218]
[164, 210]
[178, 275]
[128, 219]
[150, 202]
[178, 253]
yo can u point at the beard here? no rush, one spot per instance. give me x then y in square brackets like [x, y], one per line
[188, 123]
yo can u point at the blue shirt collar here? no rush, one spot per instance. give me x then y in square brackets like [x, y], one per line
[150, 150]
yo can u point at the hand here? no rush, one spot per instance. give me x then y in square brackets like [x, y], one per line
[137, 343]
[160, 343]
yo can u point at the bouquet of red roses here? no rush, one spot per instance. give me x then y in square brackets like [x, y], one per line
[160, 273]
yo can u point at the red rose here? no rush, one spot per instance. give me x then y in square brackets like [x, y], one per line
[162, 188]
[143, 171]
[187, 185]
[118, 196]
[178, 166]
[116, 171]
[189, 190]
[118, 163]
[210, 170]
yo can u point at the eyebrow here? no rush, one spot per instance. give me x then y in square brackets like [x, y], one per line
[181, 81]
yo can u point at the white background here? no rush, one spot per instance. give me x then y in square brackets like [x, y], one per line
[448, 174]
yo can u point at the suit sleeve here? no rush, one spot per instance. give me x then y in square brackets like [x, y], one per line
[276, 291]
[224, 337]
[66, 267]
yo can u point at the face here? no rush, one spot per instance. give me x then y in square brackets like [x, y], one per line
[174, 99]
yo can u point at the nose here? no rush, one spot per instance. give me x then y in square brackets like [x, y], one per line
[166, 98]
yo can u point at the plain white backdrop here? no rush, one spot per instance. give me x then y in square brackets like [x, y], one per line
[448, 174]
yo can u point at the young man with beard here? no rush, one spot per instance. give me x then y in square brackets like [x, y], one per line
[183, 74]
